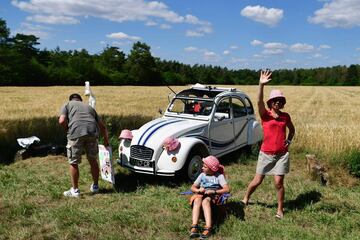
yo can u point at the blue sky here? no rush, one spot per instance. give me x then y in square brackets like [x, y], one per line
[236, 34]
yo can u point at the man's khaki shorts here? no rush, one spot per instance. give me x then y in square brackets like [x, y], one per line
[77, 146]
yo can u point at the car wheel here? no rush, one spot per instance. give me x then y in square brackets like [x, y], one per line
[194, 167]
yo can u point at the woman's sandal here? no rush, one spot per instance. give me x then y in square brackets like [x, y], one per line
[206, 233]
[194, 231]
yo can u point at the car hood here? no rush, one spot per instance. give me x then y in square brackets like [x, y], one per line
[153, 133]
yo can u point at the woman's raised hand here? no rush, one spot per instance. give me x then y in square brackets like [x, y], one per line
[265, 76]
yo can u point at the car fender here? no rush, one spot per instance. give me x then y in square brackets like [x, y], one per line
[175, 160]
[255, 132]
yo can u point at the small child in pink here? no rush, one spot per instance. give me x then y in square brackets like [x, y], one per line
[207, 189]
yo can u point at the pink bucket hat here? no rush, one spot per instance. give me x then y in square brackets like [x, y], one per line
[214, 164]
[126, 134]
[171, 143]
[275, 93]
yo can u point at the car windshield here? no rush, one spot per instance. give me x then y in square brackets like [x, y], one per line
[191, 106]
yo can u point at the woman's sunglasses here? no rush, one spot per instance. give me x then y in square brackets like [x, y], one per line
[280, 100]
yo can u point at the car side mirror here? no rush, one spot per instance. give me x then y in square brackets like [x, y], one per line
[160, 111]
[221, 118]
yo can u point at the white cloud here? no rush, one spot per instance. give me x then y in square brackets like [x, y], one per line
[71, 41]
[36, 30]
[324, 46]
[358, 49]
[274, 45]
[113, 10]
[256, 42]
[234, 47]
[209, 53]
[52, 19]
[122, 36]
[273, 48]
[190, 49]
[268, 16]
[210, 56]
[226, 52]
[272, 51]
[200, 31]
[193, 20]
[151, 23]
[239, 60]
[302, 47]
[165, 26]
[191, 33]
[317, 55]
[338, 13]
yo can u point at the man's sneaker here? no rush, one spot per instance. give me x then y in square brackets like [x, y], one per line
[94, 188]
[72, 193]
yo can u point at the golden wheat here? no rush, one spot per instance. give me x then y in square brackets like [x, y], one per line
[325, 118]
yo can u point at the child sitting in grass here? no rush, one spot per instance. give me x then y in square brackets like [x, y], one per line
[207, 189]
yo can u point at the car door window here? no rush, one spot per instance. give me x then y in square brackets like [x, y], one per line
[223, 110]
[239, 109]
[249, 107]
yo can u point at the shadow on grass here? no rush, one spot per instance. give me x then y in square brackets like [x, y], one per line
[300, 202]
[49, 131]
[132, 181]
[303, 200]
[222, 212]
[236, 209]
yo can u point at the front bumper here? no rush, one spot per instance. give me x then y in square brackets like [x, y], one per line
[146, 170]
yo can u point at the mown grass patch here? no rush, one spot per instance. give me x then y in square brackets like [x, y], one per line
[32, 205]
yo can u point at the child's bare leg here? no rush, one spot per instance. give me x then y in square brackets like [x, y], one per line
[252, 187]
[206, 205]
[196, 210]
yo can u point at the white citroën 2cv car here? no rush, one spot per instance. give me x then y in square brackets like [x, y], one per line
[199, 121]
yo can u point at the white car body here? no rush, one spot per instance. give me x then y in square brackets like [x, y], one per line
[224, 123]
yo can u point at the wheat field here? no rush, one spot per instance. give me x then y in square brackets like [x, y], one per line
[32, 205]
[326, 118]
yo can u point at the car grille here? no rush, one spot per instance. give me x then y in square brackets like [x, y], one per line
[141, 152]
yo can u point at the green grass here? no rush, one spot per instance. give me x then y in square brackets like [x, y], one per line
[32, 205]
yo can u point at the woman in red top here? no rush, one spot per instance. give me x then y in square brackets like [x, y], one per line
[274, 156]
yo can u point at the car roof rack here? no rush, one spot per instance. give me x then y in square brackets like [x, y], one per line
[211, 88]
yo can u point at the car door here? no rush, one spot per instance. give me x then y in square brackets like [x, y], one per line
[240, 121]
[221, 132]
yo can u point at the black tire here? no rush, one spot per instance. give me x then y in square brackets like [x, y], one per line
[193, 165]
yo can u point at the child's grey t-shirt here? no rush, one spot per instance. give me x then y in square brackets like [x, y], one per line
[216, 181]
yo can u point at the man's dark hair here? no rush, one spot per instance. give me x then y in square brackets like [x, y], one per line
[75, 96]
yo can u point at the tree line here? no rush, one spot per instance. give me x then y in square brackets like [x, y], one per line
[23, 64]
